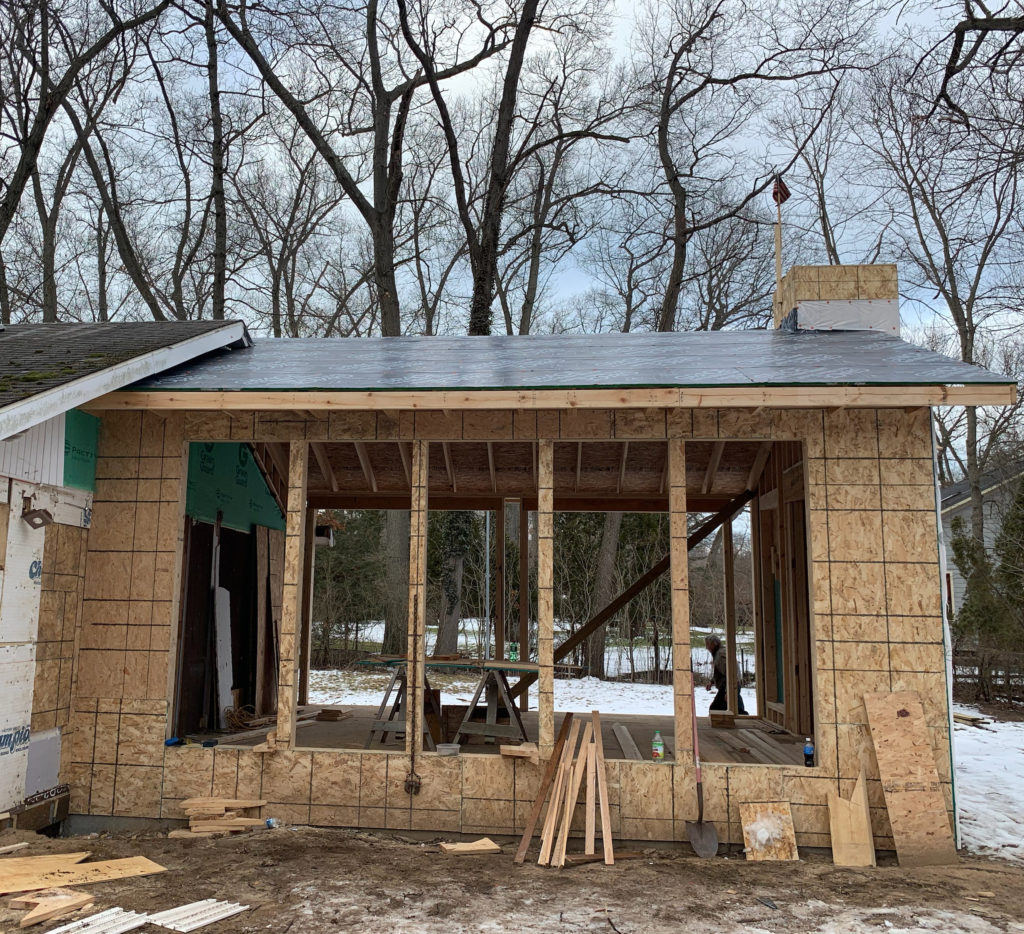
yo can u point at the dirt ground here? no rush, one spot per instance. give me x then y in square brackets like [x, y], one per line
[302, 880]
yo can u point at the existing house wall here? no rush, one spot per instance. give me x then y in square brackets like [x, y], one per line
[876, 626]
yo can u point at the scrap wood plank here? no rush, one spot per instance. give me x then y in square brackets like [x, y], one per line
[590, 831]
[522, 751]
[225, 803]
[628, 745]
[57, 906]
[768, 830]
[11, 847]
[547, 837]
[475, 848]
[193, 834]
[910, 781]
[602, 792]
[545, 784]
[580, 859]
[85, 874]
[850, 827]
[572, 794]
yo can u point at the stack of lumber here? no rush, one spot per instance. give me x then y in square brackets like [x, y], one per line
[210, 816]
[567, 771]
[332, 715]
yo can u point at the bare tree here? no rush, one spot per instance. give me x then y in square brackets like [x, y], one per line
[958, 229]
[711, 68]
[47, 45]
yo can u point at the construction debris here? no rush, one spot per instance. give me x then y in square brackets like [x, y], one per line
[196, 915]
[111, 921]
[50, 905]
[476, 848]
[332, 715]
[12, 847]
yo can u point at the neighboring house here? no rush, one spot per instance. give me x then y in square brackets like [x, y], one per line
[48, 373]
[998, 488]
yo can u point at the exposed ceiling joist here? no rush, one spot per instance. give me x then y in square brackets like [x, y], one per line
[324, 462]
[364, 462]
[449, 466]
[579, 465]
[490, 467]
[622, 467]
[759, 461]
[716, 459]
[406, 456]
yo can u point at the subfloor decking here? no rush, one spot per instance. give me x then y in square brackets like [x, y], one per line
[756, 742]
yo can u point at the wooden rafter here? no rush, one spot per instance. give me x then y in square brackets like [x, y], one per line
[490, 467]
[759, 461]
[320, 453]
[622, 467]
[449, 466]
[403, 452]
[364, 462]
[579, 465]
[709, 475]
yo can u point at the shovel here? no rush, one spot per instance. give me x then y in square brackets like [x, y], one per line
[703, 837]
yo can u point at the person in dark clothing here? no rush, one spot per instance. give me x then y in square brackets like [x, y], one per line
[718, 670]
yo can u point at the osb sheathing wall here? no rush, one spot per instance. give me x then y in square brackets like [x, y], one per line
[876, 626]
[60, 607]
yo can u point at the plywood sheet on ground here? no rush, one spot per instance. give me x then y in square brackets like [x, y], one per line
[910, 781]
[768, 830]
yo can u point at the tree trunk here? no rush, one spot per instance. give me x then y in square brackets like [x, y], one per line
[451, 612]
[220, 214]
[396, 587]
[101, 268]
[604, 590]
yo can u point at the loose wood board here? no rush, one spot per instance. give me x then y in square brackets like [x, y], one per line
[87, 874]
[475, 848]
[46, 909]
[768, 831]
[850, 827]
[226, 803]
[910, 781]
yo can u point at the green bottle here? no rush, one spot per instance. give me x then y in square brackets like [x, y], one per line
[658, 747]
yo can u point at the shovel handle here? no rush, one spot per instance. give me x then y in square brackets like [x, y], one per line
[696, 743]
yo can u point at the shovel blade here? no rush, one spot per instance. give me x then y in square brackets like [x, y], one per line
[703, 838]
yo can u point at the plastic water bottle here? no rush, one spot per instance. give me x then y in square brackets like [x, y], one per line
[513, 651]
[658, 747]
[809, 752]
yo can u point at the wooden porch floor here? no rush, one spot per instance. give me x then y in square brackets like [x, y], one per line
[756, 742]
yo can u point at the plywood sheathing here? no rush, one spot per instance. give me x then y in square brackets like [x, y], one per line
[60, 607]
[114, 742]
[867, 461]
[835, 283]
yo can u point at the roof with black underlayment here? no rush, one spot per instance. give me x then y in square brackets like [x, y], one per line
[585, 361]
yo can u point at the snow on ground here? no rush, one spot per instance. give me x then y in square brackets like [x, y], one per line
[990, 776]
[366, 688]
